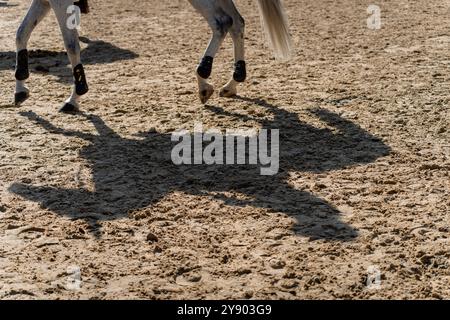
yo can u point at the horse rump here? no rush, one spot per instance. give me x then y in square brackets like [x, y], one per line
[83, 5]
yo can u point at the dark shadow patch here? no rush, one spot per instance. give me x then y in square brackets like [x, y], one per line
[131, 175]
[56, 63]
[6, 4]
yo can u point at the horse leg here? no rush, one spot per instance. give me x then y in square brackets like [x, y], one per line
[237, 33]
[37, 12]
[72, 45]
[220, 23]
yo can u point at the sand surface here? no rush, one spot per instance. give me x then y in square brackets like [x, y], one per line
[363, 188]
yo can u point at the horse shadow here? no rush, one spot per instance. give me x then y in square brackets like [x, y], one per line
[133, 174]
[5, 4]
[56, 63]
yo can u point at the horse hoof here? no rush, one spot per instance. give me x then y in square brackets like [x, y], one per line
[68, 108]
[227, 93]
[20, 98]
[205, 94]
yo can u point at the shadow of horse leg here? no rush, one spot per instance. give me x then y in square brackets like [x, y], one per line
[314, 217]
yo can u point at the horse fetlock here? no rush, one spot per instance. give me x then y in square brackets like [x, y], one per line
[22, 70]
[204, 69]
[71, 105]
[229, 90]
[81, 86]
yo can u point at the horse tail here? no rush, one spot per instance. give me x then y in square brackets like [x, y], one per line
[83, 5]
[276, 26]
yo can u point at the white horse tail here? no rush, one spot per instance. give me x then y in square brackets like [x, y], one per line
[276, 26]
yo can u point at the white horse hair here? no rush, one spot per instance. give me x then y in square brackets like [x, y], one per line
[38, 10]
[223, 17]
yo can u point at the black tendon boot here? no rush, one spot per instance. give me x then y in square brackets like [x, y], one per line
[205, 67]
[81, 86]
[22, 71]
[240, 71]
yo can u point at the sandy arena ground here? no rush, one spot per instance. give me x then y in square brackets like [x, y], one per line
[364, 183]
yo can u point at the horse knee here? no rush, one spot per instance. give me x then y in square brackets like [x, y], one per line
[222, 25]
[238, 27]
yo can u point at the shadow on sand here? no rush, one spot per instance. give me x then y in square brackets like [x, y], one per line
[132, 174]
[56, 63]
